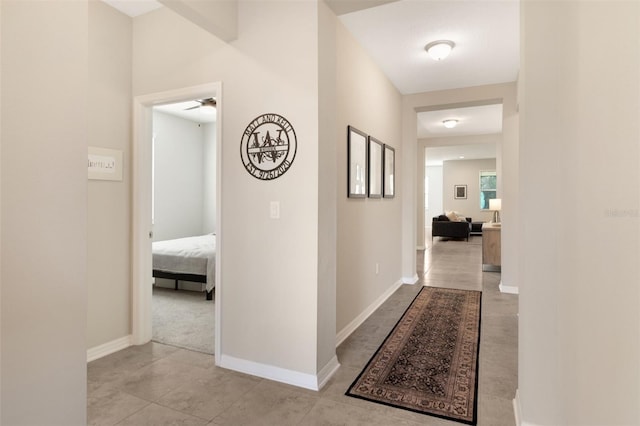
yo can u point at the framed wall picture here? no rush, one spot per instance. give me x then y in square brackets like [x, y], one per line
[375, 168]
[357, 163]
[389, 179]
[460, 192]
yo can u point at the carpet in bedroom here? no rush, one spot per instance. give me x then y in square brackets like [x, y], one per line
[183, 319]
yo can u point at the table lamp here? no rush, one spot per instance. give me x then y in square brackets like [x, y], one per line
[495, 205]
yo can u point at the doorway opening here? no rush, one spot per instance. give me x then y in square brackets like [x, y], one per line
[156, 219]
[184, 225]
[453, 157]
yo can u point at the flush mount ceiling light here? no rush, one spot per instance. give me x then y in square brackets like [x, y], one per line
[439, 49]
[450, 123]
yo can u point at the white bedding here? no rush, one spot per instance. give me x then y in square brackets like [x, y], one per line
[191, 255]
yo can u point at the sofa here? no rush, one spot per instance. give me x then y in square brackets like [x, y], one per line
[442, 226]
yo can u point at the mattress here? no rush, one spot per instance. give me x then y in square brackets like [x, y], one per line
[190, 255]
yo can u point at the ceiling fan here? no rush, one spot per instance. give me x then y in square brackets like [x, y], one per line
[204, 103]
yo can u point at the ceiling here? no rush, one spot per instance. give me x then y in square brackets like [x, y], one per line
[436, 155]
[487, 51]
[341, 7]
[394, 33]
[486, 36]
[477, 120]
[134, 8]
[181, 109]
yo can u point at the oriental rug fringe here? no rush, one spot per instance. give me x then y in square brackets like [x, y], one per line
[429, 361]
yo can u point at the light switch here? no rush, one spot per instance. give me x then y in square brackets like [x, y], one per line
[274, 210]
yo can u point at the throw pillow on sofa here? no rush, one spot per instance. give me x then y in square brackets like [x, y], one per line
[455, 217]
[452, 216]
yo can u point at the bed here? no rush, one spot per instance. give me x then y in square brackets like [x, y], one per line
[186, 259]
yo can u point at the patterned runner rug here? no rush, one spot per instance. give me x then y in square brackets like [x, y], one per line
[429, 361]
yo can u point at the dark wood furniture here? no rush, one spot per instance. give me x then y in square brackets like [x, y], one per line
[183, 277]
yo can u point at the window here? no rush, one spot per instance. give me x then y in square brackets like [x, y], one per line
[488, 184]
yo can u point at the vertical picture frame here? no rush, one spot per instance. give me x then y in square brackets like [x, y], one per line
[389, 179]
[460, 192]
[375, 168]
[356, 163]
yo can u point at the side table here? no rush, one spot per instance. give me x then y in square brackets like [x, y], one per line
[491, 247]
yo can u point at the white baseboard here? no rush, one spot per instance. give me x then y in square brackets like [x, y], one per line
[327, 372]
[517, 412]
[108, 348]
[357, 321]
[283, 375]
[516, 409]
[421, 248]
[411, 280]
[508, 289]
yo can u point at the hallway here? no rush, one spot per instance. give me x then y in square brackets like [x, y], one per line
[157, 384]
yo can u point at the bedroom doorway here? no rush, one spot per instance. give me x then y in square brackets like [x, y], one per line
[145, 107]
[184, 223]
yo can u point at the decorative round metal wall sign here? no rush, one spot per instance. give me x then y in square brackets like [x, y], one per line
[268, 146]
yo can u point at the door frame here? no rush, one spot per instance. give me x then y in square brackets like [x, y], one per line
[141, 262]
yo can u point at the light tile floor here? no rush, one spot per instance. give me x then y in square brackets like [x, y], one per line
[157, 384]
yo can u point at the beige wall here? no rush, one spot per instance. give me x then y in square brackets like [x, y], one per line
[466, 172]
[579, 322]
[219, 17]
[0, 223]
[260, 86]
[44, 212]
[178, 177]
[327, 184]
[507, 166]
[109, 202]
[268, 266]
[209, 160]
[368, 229]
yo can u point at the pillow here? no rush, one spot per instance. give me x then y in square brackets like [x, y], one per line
[461, 217]
[443, 218]
[456, 217]
[452, 216]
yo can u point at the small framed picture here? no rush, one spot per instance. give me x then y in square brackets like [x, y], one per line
[389, 180]
[357, 163]
[460, 192]
[375, 168]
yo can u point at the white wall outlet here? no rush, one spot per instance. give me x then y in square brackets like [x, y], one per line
[377, 268]
[274, 210]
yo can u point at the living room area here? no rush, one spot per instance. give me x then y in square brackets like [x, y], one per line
[461, 198]
[460, 181]
[460, 177]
